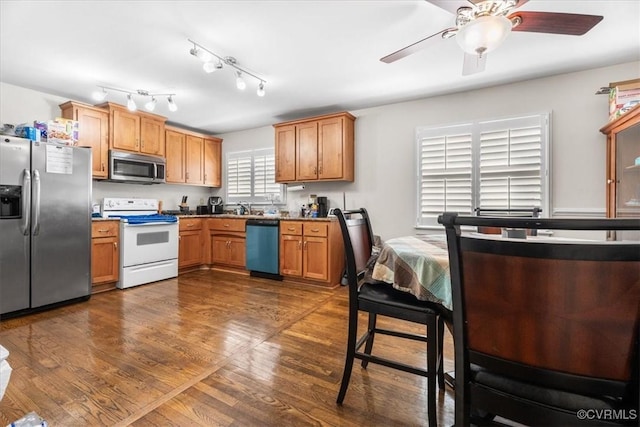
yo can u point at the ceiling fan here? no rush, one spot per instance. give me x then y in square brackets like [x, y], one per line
[482, 25]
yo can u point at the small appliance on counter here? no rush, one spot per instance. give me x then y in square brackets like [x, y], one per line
[215, 205]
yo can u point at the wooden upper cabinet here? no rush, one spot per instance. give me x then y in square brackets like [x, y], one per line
[193, 158]
[321, 148]
[135, 131]
[126, 131]
[285, 153]
[174, 149]
[212, 165]
[307, 151]
[194, 147]
[152, 137]
[93, 132]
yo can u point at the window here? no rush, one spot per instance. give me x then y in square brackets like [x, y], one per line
[251, 177]
[500, 164]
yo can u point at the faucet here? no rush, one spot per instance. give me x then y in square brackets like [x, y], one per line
[245, 208]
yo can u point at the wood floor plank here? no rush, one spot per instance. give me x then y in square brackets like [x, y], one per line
[207, 348]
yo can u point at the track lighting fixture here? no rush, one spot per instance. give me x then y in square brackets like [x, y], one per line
[213, 62]
[150, 105]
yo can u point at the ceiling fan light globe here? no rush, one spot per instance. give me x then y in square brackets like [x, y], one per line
[483, 34]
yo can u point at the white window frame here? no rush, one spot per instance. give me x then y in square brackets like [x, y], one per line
[257, 186]
[454, 173]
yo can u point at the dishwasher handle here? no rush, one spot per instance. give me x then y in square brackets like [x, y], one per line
[263, 222]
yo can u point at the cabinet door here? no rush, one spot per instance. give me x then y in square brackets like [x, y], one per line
[212, 163]
[219, 249]
[315, 258]
[330, 148]
[104, 260]
[94, 132]
[307, 151]
[126, 131]
[175, 143]
[237, 251]
[190, 248]
[193, 156]
[286, 153]
[291, 255]
[152, 137]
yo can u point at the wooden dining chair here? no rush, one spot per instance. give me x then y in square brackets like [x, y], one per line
[545, 330]
[382, 299]
[513, 212]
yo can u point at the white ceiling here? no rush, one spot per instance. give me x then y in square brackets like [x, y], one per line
[316, 56]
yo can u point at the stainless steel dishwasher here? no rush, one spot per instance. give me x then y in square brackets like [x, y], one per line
[263, 241]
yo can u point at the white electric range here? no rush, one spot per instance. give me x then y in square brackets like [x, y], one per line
[148, 240]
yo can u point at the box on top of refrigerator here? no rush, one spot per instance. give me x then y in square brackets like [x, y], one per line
[62, 131]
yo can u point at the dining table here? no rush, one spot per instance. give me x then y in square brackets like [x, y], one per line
[418, 265]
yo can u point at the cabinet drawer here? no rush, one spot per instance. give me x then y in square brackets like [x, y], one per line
[190, 224]
[315, 229]
[227, 224]
[291, 227]
[104, 228]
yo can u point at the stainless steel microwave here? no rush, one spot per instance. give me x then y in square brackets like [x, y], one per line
[136, 168]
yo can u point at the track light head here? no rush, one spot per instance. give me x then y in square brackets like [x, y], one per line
[151, 105]
[99, 95]
[131, 104]
[240, 83]
[172, 105]
[260, 91]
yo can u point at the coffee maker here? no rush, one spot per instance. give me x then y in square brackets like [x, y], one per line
[215, 205]
[323, 207]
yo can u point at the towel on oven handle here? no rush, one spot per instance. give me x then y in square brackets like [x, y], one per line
[144, 219]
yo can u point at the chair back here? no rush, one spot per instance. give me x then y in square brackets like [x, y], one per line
[358, 241]
[558, 313]
[514, 212]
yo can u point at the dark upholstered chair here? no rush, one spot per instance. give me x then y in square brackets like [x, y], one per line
[515, 212]
[545, 330]
[382, 299]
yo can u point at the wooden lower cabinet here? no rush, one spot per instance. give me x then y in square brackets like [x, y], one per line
[312, 251]
[105, 255]
[227, 239]
[191, 243]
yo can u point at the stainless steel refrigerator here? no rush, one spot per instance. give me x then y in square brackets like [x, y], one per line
[45, 224]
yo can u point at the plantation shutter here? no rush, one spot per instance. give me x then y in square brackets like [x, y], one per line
[264, 175]
[238, 176]
[497, 164]
[511, 154]
[445, 165]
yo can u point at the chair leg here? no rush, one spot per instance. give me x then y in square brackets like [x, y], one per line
[351, 351]
[369, 344]
[432, 357]
[440, 362]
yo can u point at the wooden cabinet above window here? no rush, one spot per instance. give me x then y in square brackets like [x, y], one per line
[315, 149]
[136, 131]
[193, 158]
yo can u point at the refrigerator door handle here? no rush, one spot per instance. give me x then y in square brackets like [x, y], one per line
[26, 202]
[36, 204]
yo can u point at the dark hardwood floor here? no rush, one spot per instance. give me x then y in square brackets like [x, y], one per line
[208, 348]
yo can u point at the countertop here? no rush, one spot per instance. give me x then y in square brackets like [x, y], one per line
[234, 216]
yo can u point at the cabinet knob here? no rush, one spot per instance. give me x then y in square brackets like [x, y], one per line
[304, 245]
[115, 246]
[190, 225]
[103, 230]
[102, 166]
[609, 181]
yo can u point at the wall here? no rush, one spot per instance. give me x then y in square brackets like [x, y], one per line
[385, 180]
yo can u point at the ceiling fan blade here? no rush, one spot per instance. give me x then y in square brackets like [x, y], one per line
[412, 48]
[473, 64]
[555, 23]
